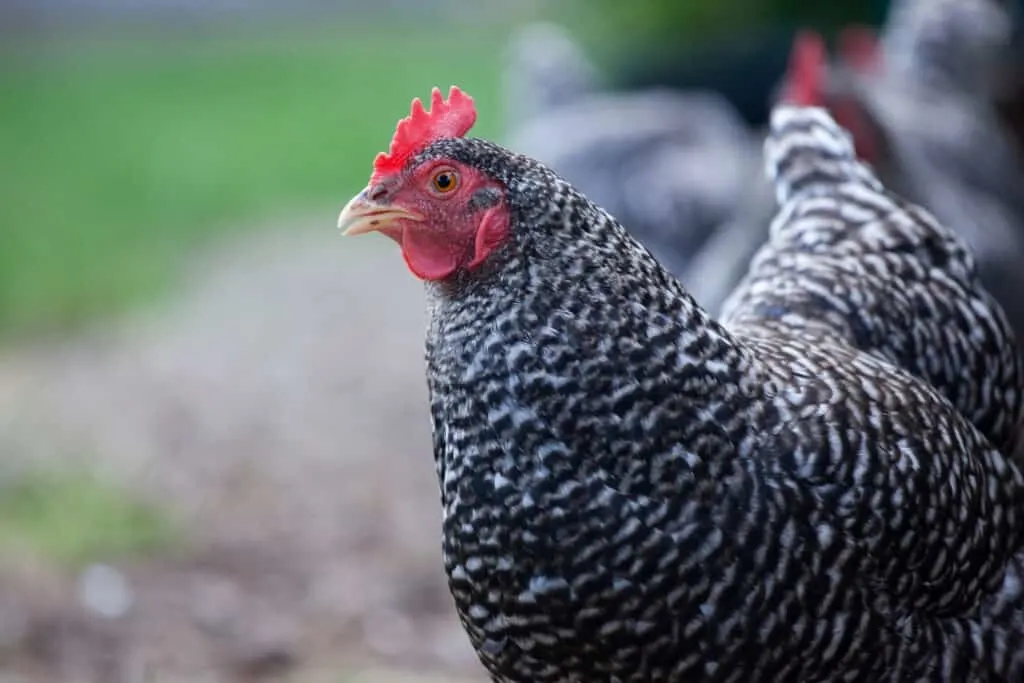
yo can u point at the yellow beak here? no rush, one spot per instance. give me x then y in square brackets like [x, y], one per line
[362, 215]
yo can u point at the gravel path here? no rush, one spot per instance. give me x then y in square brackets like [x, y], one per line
[277, 405]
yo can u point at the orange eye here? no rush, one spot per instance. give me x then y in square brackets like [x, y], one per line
[444, 181]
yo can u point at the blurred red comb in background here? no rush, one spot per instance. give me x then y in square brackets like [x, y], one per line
[807, 62]
[858, 48]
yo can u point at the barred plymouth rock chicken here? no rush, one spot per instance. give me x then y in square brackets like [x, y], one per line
[977, 365]
[920, 108]
[634, 492]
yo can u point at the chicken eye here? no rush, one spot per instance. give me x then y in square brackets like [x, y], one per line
[444, 181]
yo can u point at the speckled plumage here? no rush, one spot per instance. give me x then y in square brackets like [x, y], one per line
[944, 145]
[848, 260]
[633, 492]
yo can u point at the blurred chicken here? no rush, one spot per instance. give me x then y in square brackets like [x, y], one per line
[670, 165]
[544, 69]
[919, 103]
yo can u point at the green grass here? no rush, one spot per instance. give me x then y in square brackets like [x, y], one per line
[118, 156]
[71, 518]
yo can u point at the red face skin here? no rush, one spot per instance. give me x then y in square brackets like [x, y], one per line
[457, 231]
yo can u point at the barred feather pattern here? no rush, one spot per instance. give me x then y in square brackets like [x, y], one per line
[848, 261]
[633, 492]
[948, 146]
[944, 146]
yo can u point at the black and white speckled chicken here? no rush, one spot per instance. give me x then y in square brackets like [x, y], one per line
[922, 112]
[634, 492]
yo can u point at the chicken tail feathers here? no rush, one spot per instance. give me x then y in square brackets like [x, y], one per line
[807, 152]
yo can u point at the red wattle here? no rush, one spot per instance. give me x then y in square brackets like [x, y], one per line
[492, 232]
[427, 256]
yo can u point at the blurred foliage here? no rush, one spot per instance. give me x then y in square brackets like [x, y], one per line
[71, 518]
[619, 26]
[120, 153]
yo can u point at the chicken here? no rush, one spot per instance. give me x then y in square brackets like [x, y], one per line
[690, 151]
[544, 70]
[724, 257]
[634, 492]
[964, 369]
[922, 114]
[948, 47]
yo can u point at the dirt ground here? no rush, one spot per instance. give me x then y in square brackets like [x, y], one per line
[276, 404]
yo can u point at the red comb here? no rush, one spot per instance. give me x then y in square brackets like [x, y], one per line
[445, 119]
[858, 47]
[807, 62]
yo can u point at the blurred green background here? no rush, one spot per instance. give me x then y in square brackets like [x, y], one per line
[123, 151]
[125, 147]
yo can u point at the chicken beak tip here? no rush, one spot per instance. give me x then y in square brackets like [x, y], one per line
[361, 216]
[354, 219]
